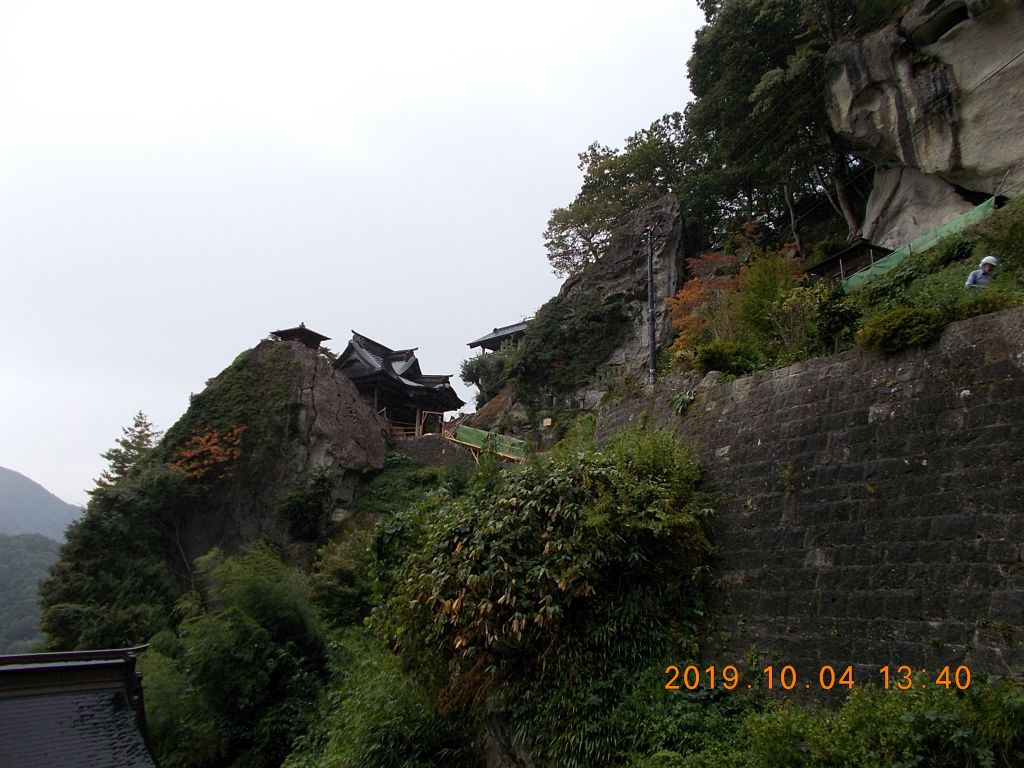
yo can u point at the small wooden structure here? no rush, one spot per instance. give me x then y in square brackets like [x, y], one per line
[855, 256]
[414, 403]
[492, 341]
[301, 334]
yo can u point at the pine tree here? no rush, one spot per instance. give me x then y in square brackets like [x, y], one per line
[137, 440]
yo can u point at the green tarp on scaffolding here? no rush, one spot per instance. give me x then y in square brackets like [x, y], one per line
[923, 243]
[509, 447]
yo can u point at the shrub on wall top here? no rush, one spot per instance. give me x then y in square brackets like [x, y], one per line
[901, 328]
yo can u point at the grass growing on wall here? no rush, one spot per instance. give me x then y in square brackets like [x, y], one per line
[927, 290]
[740, 317]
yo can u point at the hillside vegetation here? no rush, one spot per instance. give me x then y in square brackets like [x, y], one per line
[24, 562]
[538, 603]
[526, 615]
[27, 507]
[750, 307]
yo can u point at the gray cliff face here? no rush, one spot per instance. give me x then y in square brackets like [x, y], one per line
[935, 101]
[622, 275]
[316, 422]
[337, 428]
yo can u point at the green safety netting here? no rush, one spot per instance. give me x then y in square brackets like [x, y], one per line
[502, 445]
[923, 243]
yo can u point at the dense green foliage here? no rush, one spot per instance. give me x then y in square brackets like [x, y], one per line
[757, 314]
[24, 561]
[489, 372]
[238, 680]
[124, 563]
[571, 573]
[543, 599]
[564, 344]
[753, 144]
[401, 484]
[615, 184]
[238, 419]
[911, 303]
[113, 586]
[901, 328]
[936, 276]
[130, 449]
[929, 726]
[248, 392]
[726, 356]
[353, 571]
[736, 316]
[304, 508]
[377, 713]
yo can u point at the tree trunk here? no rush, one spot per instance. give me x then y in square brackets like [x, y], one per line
[788, 194]
[820, 178]
[841, 176]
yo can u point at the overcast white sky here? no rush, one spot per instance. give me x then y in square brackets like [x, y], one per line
[179, 178]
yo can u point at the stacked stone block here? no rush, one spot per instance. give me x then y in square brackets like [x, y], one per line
[872, 508]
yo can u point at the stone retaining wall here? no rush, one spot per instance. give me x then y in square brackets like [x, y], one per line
[873, 507]
[435, 451]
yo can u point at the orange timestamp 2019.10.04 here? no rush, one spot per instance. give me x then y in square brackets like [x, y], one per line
[826, 677]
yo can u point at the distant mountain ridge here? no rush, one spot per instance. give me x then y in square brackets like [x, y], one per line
[24, 561]
[27, 507]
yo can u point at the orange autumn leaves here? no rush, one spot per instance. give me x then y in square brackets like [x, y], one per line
[205, 456]
[737, 299]
[699, 308]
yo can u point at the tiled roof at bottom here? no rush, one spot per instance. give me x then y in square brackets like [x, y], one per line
[86, 729]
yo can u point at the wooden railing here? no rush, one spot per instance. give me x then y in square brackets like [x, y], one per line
[401, 429]
[410, 429]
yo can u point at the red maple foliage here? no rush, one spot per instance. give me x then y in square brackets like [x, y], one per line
[700, 299]
[205, 456]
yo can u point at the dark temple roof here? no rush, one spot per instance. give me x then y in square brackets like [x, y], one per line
[302, 334]
[494, 339]
[80, 709]
[369, 364]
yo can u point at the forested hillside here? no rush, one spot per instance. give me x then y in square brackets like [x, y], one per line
[314, 597]
[27, 507]
[814, 126]
[24, 562]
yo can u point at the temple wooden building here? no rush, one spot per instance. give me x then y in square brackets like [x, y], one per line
[301, 334]
[413, 402]
[855, 256]
[492, 341]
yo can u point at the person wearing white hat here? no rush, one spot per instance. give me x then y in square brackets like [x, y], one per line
[982, 276]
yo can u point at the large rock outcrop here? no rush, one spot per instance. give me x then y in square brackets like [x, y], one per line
[293, 419]
[621, 276]
[935, 102]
